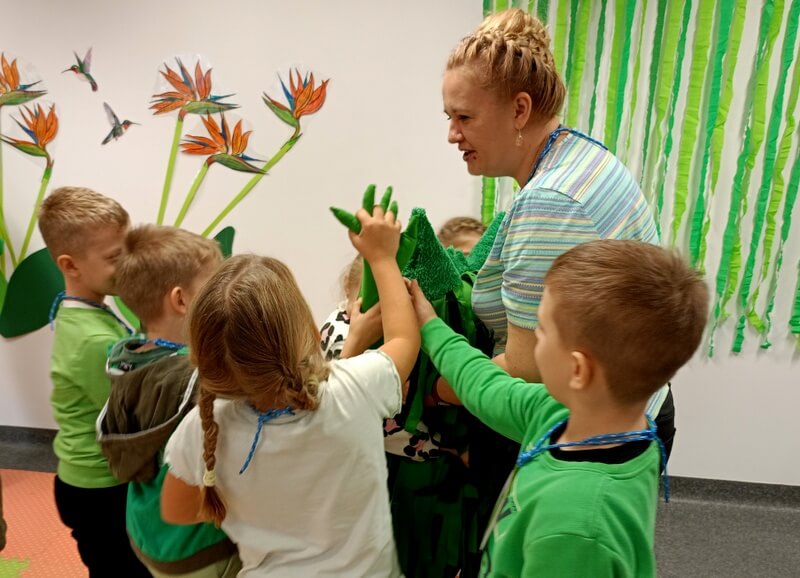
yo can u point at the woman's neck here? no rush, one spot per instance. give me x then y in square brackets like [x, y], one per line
[537, 136]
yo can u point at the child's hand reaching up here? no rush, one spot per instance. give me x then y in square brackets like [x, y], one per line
[380, 235]
[422, 307]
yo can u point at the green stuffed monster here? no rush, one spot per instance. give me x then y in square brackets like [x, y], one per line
[439, 507]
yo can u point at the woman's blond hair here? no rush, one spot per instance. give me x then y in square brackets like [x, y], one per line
[510, 53]
[253, 338]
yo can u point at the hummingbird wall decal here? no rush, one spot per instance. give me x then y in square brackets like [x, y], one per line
[117, 128]
[82, 68]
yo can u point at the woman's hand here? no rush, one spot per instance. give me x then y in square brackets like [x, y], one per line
[422, 307]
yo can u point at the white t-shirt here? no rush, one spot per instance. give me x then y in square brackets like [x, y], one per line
[314, 500]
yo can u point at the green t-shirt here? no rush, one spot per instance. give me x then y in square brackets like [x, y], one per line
[555, 518]
[83, 335]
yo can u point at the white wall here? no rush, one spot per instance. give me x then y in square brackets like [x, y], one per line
[382, 123]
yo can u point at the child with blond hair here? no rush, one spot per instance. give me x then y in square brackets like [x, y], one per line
[84, 232]
[285, 450]
[153, 388]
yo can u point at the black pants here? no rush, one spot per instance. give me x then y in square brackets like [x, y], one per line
[97, 519]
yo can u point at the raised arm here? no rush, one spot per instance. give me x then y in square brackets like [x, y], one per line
[378, 242]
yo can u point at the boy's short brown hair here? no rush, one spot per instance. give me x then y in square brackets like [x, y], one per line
[456, 226]
[155, 260]
[638, 309]
[69, 214]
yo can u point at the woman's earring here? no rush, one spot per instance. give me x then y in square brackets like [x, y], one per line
[519, 140]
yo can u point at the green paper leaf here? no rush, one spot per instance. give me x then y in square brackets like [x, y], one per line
[18, 97]
[205, 107]
[282, 113]
[30, 293]
[235, 163]
[225, 240]
[26, 147]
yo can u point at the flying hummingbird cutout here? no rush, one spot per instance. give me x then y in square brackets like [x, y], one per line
[117, 128]
[82, 68]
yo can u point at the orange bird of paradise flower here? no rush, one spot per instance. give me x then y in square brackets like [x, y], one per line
[40, 127]
[302, 95]
[223, 146]
[191, 95]
[13, 93]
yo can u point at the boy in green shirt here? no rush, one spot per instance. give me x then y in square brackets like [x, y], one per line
[84, 232]
[160, 272]
[617, 320]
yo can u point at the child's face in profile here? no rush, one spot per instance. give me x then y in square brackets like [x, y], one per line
[98, 262]
[553, 357]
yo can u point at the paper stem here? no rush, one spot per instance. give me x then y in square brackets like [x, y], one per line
[173, 154]
[287, 146]
[32, 223]
[192, 192]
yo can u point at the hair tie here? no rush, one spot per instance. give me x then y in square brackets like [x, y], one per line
[209, 478]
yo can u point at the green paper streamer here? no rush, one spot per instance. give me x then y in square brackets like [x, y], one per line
[618, 77]
[670, 111]
[691, 120]
[543, 11]
[559, 38]
[763, 202]
[788, 207]
[718, 136]
[655, 64]
[598, 56]
[577, 63]
[723, 26]
[794, 322]
[730, 257]
[488, 192]
[635, 84]
[573, 17]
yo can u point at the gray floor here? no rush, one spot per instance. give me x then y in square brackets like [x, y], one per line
[708, 529]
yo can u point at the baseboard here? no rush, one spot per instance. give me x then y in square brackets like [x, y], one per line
[739, 493]
[30, 435]
[681, 488]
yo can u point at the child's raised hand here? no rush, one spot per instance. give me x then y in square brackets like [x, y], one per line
[422, 307]
[379, 237]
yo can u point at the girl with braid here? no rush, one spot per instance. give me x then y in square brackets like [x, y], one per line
[285, 450]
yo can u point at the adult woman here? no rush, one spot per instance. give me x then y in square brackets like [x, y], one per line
[502, 95]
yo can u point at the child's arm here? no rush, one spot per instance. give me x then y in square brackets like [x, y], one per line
[378, 243]
[505, 404]
[180, 502]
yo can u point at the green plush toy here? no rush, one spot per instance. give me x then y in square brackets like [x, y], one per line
[445, 276]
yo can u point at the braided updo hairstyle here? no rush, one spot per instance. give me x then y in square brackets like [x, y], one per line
[510, 53]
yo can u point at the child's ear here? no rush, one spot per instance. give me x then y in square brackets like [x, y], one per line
[66, 264]
[583, 370]
[178, 301]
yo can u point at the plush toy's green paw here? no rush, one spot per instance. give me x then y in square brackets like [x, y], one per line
[350, 221]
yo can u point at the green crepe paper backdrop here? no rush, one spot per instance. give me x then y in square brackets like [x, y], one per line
[655, 80]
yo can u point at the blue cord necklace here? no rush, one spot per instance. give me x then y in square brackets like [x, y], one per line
[648, 434]
[551, 139]
[165, 343]
[263, 417]
[62, 296]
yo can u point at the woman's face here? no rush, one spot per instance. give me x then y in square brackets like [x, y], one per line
[480, 124]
